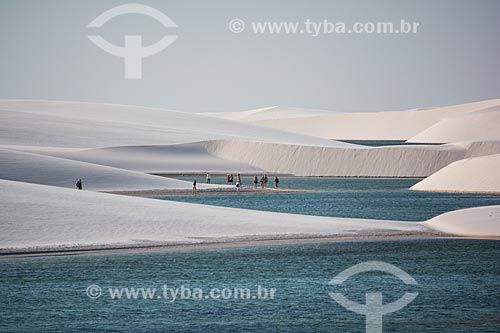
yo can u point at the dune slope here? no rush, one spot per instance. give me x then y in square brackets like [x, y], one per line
[391, 161]
[478, 222]
[38, 216]
[482, 125]
[47, 170]
[477, 174]
[94, 125]
[176, 158]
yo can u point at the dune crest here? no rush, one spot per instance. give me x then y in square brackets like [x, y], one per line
[385, 125]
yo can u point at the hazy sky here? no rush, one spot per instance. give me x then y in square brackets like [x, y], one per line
[454, 57]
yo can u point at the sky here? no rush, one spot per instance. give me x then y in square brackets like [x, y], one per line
[453, 58]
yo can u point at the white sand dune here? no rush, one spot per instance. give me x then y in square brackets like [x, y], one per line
[124, 137]
[481, 125]
[51, 217]
[176, 158]
[476, 222]
[257, 157]
[36, 217]
[239, 156]
[389, 125]
[47, 170]
[390, 161]
[94, 125]
[477, 174]
[154, 141]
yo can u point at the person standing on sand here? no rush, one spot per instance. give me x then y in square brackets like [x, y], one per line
[208, 178]
[255, 181]
[238, 186]
[276, 182]
[265, 181]
[194, 186]
[227, 179]
[79, 184]
[231, 179]
[238, 178]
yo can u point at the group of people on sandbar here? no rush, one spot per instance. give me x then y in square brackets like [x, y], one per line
[230, 181]
[264, 180]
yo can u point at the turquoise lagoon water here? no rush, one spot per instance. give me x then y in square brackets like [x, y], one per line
[458, 286]
[373, 198]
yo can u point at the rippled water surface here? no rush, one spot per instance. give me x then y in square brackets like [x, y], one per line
[458, 289]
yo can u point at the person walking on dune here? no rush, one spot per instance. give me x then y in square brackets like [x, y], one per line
[194, 186]
[79, 184]
[208, 178]
[276, 182]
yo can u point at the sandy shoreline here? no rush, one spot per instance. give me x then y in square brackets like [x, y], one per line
[231, 190]
[369, 235]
